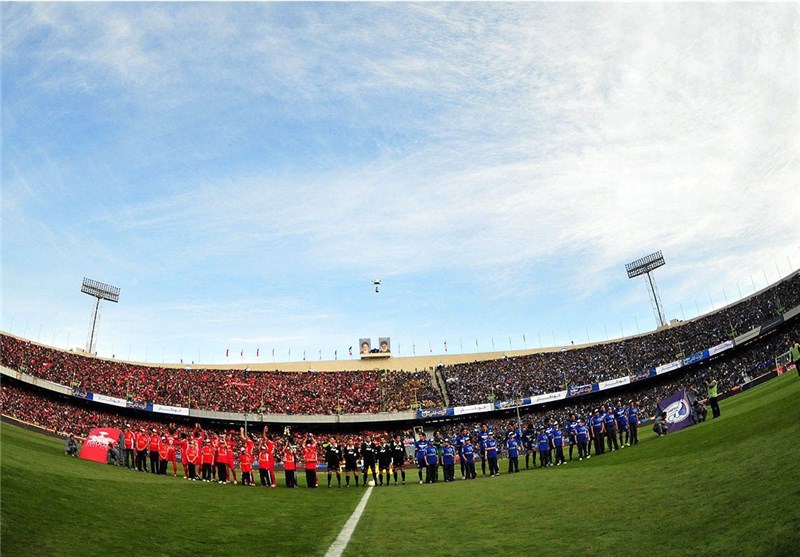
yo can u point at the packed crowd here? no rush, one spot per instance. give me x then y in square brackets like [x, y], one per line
[545, 372]
[270, 392]
[353, 392]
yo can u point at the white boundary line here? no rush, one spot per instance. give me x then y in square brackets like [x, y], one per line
[338, 546]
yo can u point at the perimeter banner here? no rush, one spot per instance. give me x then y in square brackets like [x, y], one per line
[679, 411]
[96, 445]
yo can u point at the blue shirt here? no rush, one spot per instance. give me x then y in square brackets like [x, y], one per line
[582, 432]
[558, 438]
[513, 448]
[528, 438]
[544, 442]
[597, 423]
[622, 420]
[571, 424]
[633, 415]
[448, 455]
[432, 456]
[491, 447]
[482, 437]
[422, 448]
[469, 452]
[610, 421]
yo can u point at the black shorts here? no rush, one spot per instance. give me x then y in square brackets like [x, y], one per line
[385, 465]
[333, 466]
[350, 467]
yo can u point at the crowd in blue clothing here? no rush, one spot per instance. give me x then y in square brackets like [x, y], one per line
[608, 428]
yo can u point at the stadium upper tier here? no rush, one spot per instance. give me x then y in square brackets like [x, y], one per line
[355, 392]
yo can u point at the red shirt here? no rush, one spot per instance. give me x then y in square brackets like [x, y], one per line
[191, 454]
[288, 459]
[141, 441]
[154, 441]
[222, 454]
[163, 450]
[246, 462]
[208, 454]
[129, 439]
[310, 456]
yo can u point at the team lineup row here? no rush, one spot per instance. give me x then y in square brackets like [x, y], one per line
[211, 457]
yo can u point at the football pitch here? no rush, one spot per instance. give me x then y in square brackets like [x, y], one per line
[725, 487]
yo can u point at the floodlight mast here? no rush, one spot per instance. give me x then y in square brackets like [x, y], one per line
[99, 291]
[645, 266]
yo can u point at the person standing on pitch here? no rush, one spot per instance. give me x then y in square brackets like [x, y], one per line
[449, 461]
[350, 462]
[570, 431]
[460, 440]
[582, 438]
[369, 453]
[529, 444]
[711, 386]
[490, 449]
[621, 415]
[512, 446]
[421, 450]
[483, 436]
[310, 459]
[384, 461]
[794, 350]
[431, 464]
[598, 431]
[333, 459]
[558, 445]
[468, 454]
[289, 464]
[610, 423]
[398, 458]
[633, 422]
[543, 444]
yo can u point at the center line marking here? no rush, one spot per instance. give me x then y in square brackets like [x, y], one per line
[338, 546]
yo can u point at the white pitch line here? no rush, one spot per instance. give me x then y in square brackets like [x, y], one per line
[338, 546]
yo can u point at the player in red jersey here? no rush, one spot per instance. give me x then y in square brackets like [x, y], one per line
[154, 442]
[207, 456]
[222, 461]
[290, 464]
[128, 441]
[142, 440]
[246, 464]
[231, 468]
[163, 456]
[310, 459]
[183, 445]
[172, 450]
[189, 458]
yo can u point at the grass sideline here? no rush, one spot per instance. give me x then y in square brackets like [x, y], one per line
[725, 487]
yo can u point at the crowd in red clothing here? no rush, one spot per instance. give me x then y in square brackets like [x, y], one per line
[235, 390]
[546, 372]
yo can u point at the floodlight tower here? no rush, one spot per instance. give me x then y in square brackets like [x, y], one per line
[100, 291]
[645, 266]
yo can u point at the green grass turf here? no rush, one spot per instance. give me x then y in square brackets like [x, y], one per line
[726, 487]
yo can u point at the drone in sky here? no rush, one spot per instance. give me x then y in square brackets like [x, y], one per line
[377, 283]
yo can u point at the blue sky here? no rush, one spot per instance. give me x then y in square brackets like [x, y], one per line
[243, 171]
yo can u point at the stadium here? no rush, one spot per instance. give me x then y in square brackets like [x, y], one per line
[346, 188]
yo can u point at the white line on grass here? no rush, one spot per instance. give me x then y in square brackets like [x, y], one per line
[338, 546]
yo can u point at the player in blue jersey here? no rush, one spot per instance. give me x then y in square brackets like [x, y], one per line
[448, 461]
[483, 435]
[490, 451]
[558, 444]
[582, 439]
[570, 432]
[598, 431]
[431, 464]
[548, 429]
[610, 423]
[543, 444]
[420, 450]
[512, 446]
[460, 440]
[621, 415]
[468, 455]
[633, 422]
[529, 444]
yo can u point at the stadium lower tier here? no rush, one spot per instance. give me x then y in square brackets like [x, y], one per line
[64, 415]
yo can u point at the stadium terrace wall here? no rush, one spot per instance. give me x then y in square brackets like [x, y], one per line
[409, 416]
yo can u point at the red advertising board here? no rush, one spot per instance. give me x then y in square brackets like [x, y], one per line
[96, 445]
